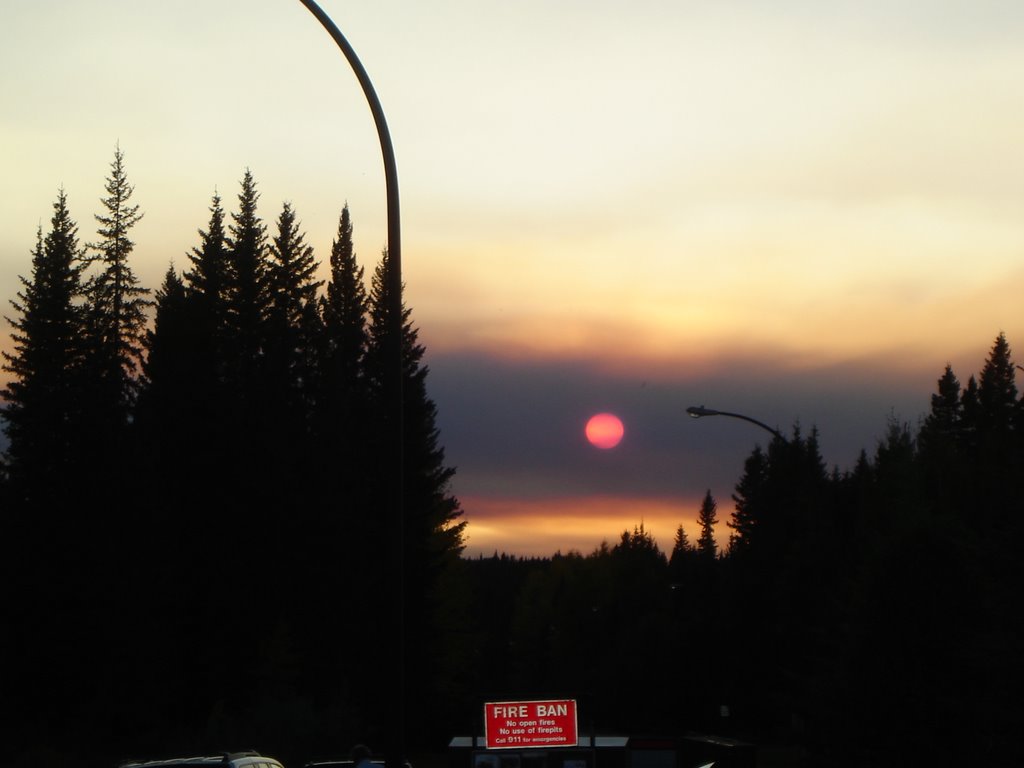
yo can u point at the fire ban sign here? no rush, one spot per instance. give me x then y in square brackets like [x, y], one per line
[518, 724]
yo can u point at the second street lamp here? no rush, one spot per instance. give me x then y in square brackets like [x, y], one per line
[697, 411]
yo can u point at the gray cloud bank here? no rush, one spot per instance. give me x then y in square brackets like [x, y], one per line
[515, 429]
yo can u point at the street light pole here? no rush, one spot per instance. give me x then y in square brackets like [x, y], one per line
[697, 412]
[395, 750]
[386, 148]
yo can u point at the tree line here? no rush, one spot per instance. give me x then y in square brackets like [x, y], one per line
[197, 495]
[865, 617]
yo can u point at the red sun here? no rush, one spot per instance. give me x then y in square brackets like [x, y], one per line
[604, 430]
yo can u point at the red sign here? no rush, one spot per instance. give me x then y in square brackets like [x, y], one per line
[518, 724]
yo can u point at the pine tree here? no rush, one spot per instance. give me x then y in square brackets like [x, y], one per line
[432, 510]
[386, 371]
[779, 570]
[166, 403]
[201, 316]
[343, 467]
[943, 422]
[638, 545]
[173, 442]
[291, 270]
[43, 397]
[48, 583]
[116, 316]
[292, 314]
[707, 518]
[431, 529]
[208, 283]
[390, 363]
[971, 409]
[344, 309]
[746, 518]
[997, 390]
[117, 305]
[681, 572]
[248, 414]
[682, 549]
[895, 472]
[342, 421]
[1000, 448]
[939, 442]
[248, 294]
[635, 590]
[289, 370]
[796, 482]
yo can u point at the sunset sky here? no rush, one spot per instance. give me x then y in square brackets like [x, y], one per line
[799, 211]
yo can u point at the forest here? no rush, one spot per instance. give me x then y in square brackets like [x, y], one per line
[196, 520]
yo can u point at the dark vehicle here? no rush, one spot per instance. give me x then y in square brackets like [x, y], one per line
[690, 750]
[226, 760]
[378, 763]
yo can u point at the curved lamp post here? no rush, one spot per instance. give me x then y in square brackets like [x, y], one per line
[697, 411]
[395, 752]
[387, 150]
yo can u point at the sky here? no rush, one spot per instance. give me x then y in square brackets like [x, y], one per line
[794, 210]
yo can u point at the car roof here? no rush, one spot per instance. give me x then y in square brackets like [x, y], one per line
[237, 759]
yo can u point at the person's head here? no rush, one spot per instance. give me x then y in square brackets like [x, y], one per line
[360, 752]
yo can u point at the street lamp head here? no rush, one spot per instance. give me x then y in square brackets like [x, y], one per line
[696, 411]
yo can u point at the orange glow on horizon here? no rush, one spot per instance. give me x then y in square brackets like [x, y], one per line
[541, 527]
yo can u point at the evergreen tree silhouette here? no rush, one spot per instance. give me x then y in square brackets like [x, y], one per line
[169, 397]
[971, 409]
[208, 282]
[997, 390]
[940, 441]
[432, 530]
[681, 559]
[745, 521]
[290, 365]
[946, 409]
[637, 619]
[293, 291]
[53, 600]
[248, 296]
[341, 421]
[1000, 445]
[248, 409]
[707, 517]
[209, 497]
[705, 595]
[343, 309]
[116, 316]
[346, 458]
[781, 582]
[431, 509]
[195, 509]
[184, 410]
[43, 398]
[206, 406]
[681, 545]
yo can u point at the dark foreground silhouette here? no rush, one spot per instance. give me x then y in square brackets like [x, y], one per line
[198, 543]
